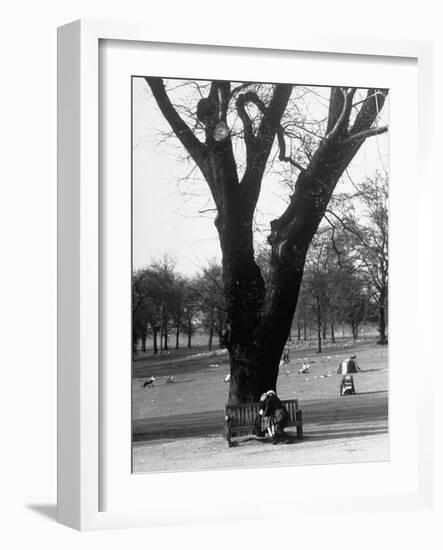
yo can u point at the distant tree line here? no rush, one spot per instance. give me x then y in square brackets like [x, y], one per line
[167, 304]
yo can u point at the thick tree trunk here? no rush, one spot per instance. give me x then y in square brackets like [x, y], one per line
[259, 328]
[298, 331]
[332, 333]
[324, 330]
[144, 338]
[305, 335]
[254, 366]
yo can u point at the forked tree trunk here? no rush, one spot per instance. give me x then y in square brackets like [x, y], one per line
[254, 364]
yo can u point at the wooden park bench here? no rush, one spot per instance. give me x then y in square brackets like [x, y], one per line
[240, 419]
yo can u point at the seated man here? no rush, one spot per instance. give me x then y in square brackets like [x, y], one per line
[272, 409]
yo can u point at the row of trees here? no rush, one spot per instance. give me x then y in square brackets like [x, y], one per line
[166, 304]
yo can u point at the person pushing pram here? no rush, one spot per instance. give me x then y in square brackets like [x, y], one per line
[347, 368]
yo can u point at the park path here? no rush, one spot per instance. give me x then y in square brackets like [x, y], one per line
[361, 414]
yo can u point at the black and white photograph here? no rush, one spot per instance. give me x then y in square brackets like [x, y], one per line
[259, 274]
[223, 254]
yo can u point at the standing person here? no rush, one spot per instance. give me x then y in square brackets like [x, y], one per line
[349, 366]
[286, 355]
[275, 412]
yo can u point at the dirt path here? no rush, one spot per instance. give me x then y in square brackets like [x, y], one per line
[351, 429]
[212, 452]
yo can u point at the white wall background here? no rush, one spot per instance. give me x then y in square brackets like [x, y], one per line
[28, 253]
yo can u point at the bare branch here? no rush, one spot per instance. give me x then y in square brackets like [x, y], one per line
[369, 111]
[196, 149]
[207, 210]
[343, 119]
[250, 139]
[282, 147]
[365, 134]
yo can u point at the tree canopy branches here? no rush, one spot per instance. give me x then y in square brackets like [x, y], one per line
[259, 312]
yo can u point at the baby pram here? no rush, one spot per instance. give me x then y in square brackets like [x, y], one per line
[347, 385]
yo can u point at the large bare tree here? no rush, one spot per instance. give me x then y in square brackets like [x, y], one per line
[259, 315]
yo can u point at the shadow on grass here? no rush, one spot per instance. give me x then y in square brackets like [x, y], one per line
[372, 370]
[371, 392]
[323, 435]
[346, 433]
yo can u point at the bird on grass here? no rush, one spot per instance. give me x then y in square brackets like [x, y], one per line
[149, 382]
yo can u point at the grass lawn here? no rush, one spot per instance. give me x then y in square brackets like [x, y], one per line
[181, 422]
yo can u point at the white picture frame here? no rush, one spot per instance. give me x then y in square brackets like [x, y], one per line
[79, 367]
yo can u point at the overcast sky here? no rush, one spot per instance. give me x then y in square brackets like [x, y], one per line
[167, 204]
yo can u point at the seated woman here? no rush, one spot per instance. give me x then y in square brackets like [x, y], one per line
[273, 410]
